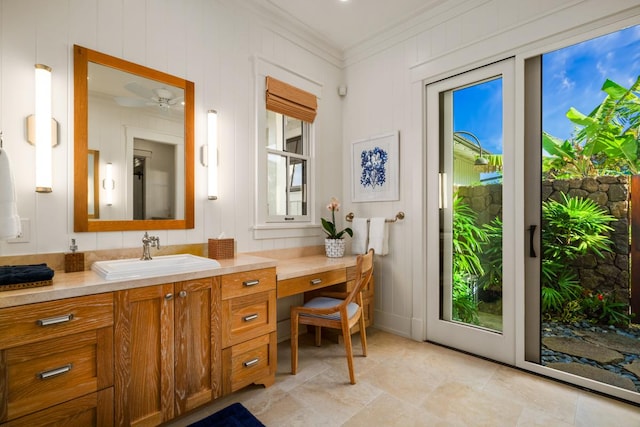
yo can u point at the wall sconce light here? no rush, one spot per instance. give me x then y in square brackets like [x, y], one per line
[42, 130]
[109, 184]
[210, 156]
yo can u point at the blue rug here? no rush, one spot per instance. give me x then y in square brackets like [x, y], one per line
[234, 415]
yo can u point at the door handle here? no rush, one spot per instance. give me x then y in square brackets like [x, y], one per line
[532, 232]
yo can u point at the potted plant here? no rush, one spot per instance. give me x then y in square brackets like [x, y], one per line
[334, 243]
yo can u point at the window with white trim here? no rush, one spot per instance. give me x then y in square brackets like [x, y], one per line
[287, 168]
[286, 110]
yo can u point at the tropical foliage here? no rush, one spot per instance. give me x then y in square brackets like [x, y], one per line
[467, 245]
[574, 227]
[606, 141]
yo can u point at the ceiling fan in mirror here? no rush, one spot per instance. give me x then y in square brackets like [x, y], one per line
[161, 97]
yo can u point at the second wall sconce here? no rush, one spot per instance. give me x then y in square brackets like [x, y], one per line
[210, 155]
[42, 129]
[109, 184]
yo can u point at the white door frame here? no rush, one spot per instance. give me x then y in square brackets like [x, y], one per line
[496, 346]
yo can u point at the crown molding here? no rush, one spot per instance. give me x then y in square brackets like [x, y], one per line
[287, 26]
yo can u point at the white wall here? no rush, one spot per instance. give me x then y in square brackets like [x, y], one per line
[386, 77]
[213, 43]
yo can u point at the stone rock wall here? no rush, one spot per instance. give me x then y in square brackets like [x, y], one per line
[609, 274]
[484, 200]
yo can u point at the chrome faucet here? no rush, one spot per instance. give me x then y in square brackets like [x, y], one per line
[147, 242]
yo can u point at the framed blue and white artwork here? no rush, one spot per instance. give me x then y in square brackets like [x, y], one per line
[374, 168]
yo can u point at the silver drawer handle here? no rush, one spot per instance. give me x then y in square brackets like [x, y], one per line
[251, 282]
[251, 362]
[316, 281]
[54, 320]
[54, 372]
[250, 317]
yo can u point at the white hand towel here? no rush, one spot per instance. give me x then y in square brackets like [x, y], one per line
[360, 239]
[9, 219]
[379, 236]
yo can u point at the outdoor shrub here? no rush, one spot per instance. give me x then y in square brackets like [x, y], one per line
[491, 256]
[572, 228]
[467, 239]
[603, 308]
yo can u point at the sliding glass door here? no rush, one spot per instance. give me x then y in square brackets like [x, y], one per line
[582, 292]
[470, 145]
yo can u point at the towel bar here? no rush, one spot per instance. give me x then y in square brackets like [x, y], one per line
[399, 216]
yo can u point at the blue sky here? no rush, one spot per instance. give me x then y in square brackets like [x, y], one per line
[572, 77]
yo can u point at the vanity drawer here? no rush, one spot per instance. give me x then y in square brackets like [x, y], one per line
[253, 361]
[43, 374]
[248, 317]
[248, 282]
[45, 320]
[94, 409]
[310, 282]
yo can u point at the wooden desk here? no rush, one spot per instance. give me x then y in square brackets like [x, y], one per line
[309, 275]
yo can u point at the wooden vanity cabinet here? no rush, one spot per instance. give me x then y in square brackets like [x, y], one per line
[56, 363]
[167, 350]
[249, 339]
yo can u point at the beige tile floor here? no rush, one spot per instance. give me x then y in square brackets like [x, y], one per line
[408, 383]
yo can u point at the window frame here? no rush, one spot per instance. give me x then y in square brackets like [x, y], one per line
[289, 155]
[265, 227]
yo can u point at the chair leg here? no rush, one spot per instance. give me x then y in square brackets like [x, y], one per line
[349, 350]
[294, 343]
[318, 336]
[363, 335]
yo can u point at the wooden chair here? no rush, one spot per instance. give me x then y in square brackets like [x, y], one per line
[336, 313]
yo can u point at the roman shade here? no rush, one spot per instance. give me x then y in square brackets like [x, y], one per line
[290, 101]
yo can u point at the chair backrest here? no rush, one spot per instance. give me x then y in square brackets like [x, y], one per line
[364, 271]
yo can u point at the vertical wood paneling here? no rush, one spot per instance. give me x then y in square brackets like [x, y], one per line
[133, 31]
[108, 23]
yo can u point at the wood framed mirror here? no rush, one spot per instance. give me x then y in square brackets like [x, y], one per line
[142, 122]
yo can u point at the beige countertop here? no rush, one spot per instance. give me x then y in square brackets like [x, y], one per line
[68, 285]
[313, 264]
[289, 263]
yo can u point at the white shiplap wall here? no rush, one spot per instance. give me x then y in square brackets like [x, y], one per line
[212, 43]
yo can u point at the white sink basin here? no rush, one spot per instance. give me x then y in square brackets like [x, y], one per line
[158, 266]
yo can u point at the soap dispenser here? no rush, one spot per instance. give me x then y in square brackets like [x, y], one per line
[73, 261]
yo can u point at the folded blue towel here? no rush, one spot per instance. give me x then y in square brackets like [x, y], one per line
[15, 274]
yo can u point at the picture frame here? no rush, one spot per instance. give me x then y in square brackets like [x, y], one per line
[375, 164]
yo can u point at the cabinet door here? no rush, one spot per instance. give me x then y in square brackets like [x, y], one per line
[197, 343]
[144, 356]
[94, 409]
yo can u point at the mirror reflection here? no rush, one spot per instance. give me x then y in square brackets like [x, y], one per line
[93, 184]
[151, 114]
[141, 122]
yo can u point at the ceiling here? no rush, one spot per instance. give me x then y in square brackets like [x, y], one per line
[344, 24]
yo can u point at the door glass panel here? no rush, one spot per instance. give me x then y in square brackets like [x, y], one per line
[590, 165]
[471, 205]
